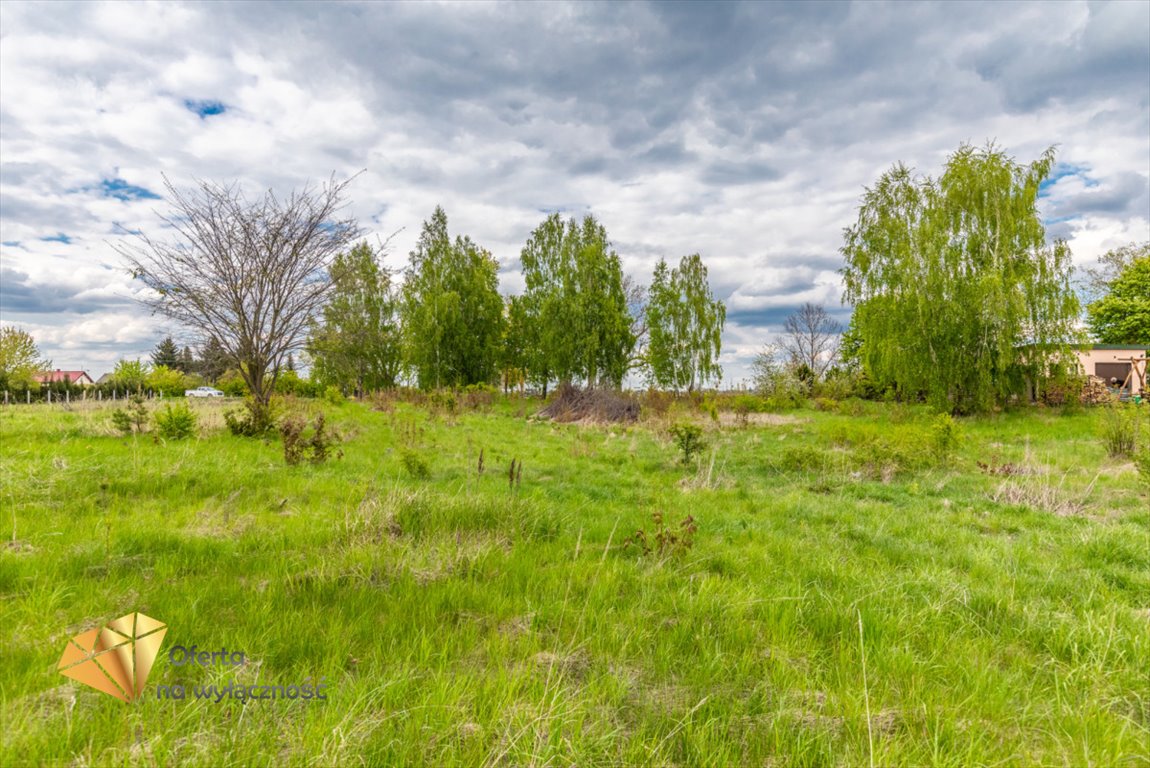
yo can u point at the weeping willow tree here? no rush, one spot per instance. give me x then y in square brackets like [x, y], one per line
[958, 297]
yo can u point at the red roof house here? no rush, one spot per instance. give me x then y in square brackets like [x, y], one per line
[80, 378]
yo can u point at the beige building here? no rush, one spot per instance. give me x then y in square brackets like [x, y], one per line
[1112, 362]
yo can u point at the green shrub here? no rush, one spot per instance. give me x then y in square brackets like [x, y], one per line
[804, 458]
[415, 464]
[744, 406]
[1142, 463]
[333, 395]
[1120, 427]
[232, 384]
[133, 418]
[253, 421]
[944, 437]
[176, 422]
[689, 438]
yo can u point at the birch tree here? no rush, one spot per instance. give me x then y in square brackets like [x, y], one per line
[958, 297]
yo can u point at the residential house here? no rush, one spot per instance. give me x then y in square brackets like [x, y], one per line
[77, 378]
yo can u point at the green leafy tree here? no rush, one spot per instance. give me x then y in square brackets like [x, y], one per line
[576, 300]
[166, 354]
[131, 375]
[20, 358]
[685, 326]
[1122, 314]
[451, 309]
[356, 343]
[518, 343]
[957, 296]
[169, 381]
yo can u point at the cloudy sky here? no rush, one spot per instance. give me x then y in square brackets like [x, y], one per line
[744, 132]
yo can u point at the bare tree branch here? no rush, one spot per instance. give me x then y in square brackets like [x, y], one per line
[248, 273]
[812, 338]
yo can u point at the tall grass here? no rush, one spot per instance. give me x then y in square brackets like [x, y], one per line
[851, 594]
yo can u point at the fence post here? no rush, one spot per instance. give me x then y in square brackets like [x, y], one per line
[49, 395]
[113, 395]
[68, 396]
[28, 396]
[99, 395]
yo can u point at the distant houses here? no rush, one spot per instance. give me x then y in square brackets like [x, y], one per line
[75, 378]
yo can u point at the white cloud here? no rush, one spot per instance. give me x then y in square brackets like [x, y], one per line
[743, 132]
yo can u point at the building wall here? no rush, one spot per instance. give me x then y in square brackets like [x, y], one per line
[1089, 358]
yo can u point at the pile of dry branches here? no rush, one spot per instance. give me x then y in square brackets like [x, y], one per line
[596, 405]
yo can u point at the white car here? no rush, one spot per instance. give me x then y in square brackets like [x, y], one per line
[203, 392]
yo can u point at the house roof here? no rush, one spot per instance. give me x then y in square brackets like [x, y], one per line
[51, 377]
[1131, 347]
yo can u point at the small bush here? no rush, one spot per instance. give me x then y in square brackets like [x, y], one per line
[744, 406]
[302, 443]
[944, 437]
[176, 422]
[1120, 427]
[254, 420]
[333, 396]
[477, 396]
[131, 419]
[415, 464]
[689, 438]
[656, 401]
[804, 458]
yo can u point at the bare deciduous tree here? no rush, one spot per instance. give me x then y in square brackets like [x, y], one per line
[248, 273]
[811, 338]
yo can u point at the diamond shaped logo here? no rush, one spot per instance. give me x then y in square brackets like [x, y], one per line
[116, 658]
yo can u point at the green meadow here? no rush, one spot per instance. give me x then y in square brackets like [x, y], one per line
[856, 585]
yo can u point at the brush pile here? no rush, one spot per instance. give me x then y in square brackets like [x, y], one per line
[591, 405]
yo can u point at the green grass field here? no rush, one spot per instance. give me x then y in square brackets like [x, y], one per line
[850, 597]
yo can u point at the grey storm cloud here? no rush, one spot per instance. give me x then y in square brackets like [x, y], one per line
[21, 296]
[742, 131]
[1124, 193]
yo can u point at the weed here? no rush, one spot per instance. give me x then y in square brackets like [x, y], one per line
[664, 541]
[176, 422]
[1043, 494]
[689, 438]
[300, 443]
[514, 474]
